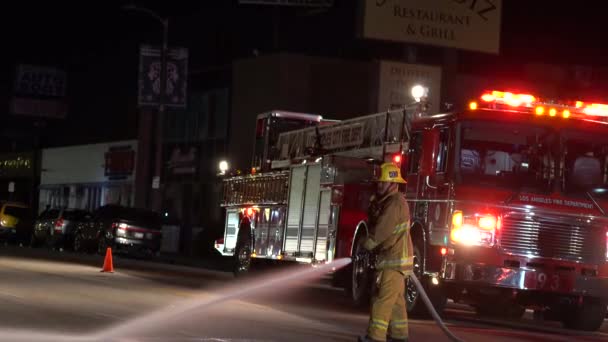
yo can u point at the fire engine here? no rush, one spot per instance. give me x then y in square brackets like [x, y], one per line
[508, 201]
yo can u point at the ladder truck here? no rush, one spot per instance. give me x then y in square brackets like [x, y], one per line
[508, 200]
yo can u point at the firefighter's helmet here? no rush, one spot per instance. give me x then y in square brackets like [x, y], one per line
[390, 173]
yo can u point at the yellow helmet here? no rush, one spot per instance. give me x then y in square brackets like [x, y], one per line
[390, 173]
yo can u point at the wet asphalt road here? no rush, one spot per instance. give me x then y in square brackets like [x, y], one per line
[62, 296]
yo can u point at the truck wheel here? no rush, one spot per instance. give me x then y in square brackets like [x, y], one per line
[242, 258]
[360, 285]
[414, 303]
[588, 317]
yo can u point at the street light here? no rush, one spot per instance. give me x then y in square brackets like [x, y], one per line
[158, 165]
[419, 92]
[223, 167]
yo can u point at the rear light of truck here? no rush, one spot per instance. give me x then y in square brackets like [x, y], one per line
[474, 230]
[397, 159]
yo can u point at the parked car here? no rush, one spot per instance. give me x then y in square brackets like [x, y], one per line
[16, 222]
[124, 229]
[57, 227]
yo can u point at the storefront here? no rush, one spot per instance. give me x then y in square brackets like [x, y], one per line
[17, 177]
[88, 176]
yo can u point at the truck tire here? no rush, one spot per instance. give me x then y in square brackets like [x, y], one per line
[360, 285]
[587, 317]
[414, 304]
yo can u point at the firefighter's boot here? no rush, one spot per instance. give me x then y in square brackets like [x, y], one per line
[366, 339]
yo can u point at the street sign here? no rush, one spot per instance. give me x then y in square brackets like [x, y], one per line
[299, 3]
[11, 187]
[156, 182]
[149, 77]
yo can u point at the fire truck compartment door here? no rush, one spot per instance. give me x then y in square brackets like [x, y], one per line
[311, 209]
[301, 235]
[297, 183]
[323, 226]
[231, 229]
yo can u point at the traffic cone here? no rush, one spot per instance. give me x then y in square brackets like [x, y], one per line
[108, 266]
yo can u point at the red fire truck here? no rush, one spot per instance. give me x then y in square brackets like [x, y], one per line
[508, 201]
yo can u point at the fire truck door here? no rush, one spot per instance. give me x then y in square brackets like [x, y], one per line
[435, 189]
[413, 166]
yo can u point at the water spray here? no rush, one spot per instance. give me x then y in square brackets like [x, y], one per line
[165, 315]
[161, 317]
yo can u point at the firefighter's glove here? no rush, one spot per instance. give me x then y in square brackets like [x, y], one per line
[369, 244]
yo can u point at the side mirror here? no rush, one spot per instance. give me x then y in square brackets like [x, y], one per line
[430, 149]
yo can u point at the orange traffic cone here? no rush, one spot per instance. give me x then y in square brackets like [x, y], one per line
[108, 266]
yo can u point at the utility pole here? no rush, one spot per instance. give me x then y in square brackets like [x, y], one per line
[155, 200]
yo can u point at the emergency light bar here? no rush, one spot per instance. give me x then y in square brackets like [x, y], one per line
[525, 102]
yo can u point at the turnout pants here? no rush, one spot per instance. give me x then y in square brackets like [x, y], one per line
[388, 315]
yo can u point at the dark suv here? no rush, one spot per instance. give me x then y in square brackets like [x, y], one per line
[123, 229]
[57, 227]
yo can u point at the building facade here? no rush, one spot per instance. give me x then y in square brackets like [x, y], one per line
[88, 176]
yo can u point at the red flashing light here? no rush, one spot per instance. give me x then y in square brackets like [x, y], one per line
[444, 251]
[397, 159]
[596, 109]
[488, 98]
[552, 112]
[540, 110]
[249, 211]
[508, 98]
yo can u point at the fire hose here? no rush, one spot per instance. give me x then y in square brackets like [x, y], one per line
[432, 310]
[368, 260]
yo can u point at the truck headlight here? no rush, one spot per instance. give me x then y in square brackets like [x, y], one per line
[474, 230]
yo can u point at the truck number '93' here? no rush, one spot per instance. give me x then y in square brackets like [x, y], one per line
[544, 281]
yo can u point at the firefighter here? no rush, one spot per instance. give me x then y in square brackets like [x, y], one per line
[389, 240]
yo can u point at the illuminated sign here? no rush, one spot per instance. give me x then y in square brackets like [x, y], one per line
[16, 165]
[462, 24]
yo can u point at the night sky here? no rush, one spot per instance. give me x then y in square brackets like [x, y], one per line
[97, 44]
